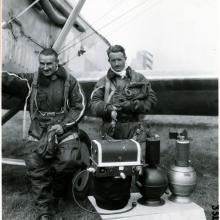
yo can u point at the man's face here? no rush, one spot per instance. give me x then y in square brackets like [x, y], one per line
[117, 61]
[48, 64]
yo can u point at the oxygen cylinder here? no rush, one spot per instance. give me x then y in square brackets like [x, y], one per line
[153, 181]
[181, 175]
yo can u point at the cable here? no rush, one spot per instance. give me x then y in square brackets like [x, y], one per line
[134, 204]
[71, 58]
[19, 24]
[121, 25]
[113, 20]
[22, 12]
[135, 16]
[109, 12]
[94, 22]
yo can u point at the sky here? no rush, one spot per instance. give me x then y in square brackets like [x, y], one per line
[182, 35]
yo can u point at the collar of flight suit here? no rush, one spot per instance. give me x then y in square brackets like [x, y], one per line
[44, 80]
[111, 74]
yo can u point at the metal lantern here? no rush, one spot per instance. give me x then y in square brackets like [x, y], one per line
[153, 181]
[181, 176]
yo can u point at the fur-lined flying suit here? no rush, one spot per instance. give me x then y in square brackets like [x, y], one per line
[132, 95]
[49, 158]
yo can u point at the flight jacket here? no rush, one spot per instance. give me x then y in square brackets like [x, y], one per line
[49, 99]
[141, 100]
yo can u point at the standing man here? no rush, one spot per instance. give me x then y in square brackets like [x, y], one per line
[119, 98]
[56, 104]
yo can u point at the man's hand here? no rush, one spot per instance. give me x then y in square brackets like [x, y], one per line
[57, 128]
[116, 107]
[127, 106]
[111, 108]
[114, 115]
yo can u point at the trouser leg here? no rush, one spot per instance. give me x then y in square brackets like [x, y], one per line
[39, 172]
[65, 165]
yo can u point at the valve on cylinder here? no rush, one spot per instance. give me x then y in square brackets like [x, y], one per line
[152, 183]
[181, 175]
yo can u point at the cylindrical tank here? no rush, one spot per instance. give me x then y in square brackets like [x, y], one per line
[152, 185]
[182, 152]
[152, 151]
[153, 181]
[182, 182]
[181, 176]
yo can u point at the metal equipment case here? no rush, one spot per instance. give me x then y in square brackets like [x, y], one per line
[115, 157]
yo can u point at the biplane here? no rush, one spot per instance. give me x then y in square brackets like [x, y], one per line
[30, 25]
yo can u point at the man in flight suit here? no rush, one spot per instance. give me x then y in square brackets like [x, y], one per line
[56, 104]
[119, 98]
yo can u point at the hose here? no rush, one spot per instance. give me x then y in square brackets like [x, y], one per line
[134, 204]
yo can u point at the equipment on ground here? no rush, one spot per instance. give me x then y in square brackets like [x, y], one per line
[120, 159]
[114, 163]
[153, 181]
[112, 158]
[181, 175]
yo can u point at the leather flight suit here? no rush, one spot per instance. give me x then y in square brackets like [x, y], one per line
[133, 96]
[50, 162]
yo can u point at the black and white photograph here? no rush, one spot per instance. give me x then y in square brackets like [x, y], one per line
[109, 109]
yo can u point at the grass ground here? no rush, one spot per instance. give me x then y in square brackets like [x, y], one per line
[17, 201]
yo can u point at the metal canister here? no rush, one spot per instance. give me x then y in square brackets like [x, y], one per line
[181, 176]
[153, 182]
[152, 185]
[152, 152]
[182, 152]
[182, 182]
